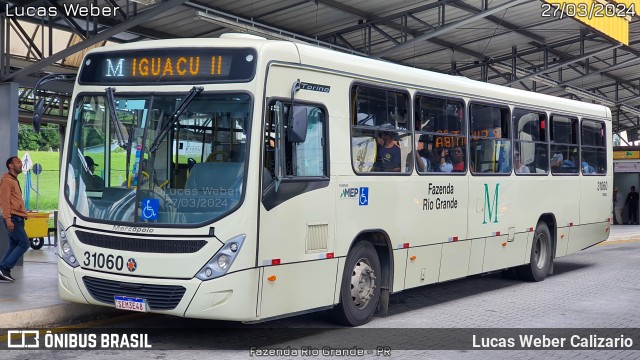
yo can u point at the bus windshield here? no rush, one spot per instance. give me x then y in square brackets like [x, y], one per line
[158, 159]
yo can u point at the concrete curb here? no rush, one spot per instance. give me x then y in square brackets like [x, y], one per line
[629, 237]
[56, 315]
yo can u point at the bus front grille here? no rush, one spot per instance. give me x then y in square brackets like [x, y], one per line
[158, 297]
[140, 245]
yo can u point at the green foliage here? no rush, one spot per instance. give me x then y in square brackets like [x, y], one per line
[92, 138]
[49, 179]
[48, 138]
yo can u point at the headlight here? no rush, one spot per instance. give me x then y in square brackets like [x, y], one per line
[222, 260]
[66, 253]
[66, 248]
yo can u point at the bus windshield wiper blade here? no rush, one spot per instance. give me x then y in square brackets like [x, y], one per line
[113, 114]
[195, 91]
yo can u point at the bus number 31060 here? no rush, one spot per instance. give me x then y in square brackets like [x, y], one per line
[99, 260]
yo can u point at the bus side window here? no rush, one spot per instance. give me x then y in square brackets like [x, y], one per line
[307, 158]
[490, 139]
[380, 131]
[564, 145]
[593, 153]
[530, 155]
[440, 130]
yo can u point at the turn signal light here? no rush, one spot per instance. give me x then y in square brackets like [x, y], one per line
[413, 258]
[272, 278]
[504, 244]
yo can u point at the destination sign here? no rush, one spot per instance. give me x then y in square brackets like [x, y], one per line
[152, 66]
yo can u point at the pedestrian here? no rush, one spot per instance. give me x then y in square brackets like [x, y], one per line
[13, 215]
[632, 206]
[618, 205]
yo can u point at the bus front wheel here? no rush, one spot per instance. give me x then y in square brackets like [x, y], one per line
[540, 260]
[360, 290]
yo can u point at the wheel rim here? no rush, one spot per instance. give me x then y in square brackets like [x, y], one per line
[540, 251]
[362, 283]
[36, 242]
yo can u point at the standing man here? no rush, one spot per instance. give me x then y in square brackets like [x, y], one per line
[632, 206]
[618, 205]
[13, 215]
[388, 157]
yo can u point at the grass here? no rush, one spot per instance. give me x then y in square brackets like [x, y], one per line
[48, 181]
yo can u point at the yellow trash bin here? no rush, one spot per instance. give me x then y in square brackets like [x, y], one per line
[37, 227]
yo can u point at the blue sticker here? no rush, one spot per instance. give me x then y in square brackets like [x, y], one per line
[150, 208]
[363, 200]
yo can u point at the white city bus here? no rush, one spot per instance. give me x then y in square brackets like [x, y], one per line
[246, 179]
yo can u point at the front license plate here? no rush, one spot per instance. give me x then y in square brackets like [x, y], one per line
[129, 303]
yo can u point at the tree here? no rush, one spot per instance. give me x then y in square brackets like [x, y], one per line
[48, 138]
[27, 138]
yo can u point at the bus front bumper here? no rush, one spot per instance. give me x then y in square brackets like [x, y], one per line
[231, 297]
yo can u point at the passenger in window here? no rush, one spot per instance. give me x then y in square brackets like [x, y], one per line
[457, 159]
[423, 162]
[439, 161]
[570, 165]
[556, 162]
[388, 155]
[520, 168]
[588, 169]
[423, 156]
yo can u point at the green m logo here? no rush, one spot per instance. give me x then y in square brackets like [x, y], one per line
[487, 205]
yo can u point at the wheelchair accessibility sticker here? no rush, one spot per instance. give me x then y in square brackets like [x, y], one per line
[150, 208]
[363, 200]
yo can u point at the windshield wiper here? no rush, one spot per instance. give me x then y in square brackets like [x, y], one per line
[195, 91]
[113, 114]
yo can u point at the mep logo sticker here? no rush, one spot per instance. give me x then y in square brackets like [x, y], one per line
[363, 199]
[150, 209]
[349, 193]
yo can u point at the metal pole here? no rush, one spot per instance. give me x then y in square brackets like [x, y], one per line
[37, 192]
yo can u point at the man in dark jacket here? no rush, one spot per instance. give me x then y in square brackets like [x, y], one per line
[632, 206]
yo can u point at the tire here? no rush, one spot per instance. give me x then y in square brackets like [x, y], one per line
[360, 288]
[36, 243]
[540, 259]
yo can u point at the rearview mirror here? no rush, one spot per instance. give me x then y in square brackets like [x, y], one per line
[38, 110]
[297, 130]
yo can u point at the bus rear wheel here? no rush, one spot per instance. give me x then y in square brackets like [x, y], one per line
[360, 290]
[540, 260]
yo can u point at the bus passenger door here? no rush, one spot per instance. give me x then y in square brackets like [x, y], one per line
[296, 213]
